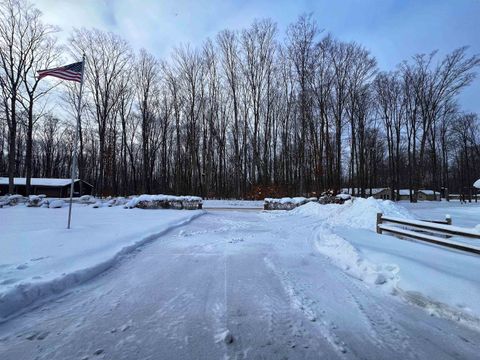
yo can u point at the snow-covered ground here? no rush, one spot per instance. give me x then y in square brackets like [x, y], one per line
[466, 215]
[40, 257]
[315, 282]
[443, 281]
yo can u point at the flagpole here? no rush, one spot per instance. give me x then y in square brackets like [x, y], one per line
[75, 144]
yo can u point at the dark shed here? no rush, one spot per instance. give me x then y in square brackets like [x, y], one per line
[50, 187]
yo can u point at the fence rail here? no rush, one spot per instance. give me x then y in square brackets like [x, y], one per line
[429, 231]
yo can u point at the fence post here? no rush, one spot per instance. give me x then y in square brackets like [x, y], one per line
[379, 221]
[448, 219]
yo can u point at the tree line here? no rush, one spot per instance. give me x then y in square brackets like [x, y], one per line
[247, 111]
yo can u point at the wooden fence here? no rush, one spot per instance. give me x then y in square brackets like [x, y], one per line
[436, 232]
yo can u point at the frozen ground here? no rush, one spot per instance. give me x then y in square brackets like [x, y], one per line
[467, 215]
[312, 283]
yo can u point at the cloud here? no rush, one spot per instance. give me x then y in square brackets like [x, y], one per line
[392, 30]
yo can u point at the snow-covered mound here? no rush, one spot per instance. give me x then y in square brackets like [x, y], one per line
[56, 204]
[165, 202]
[36, 201]
[343, 254]
[11, 200]
[98, 204]
[286, 203]
[285, 200]
[346, 235]
[357, 213]
[87, 199]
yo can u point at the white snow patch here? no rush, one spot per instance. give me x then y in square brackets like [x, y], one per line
[39, 257]
[56, 204]
[356, 213]
[343, 254]
[441, 280]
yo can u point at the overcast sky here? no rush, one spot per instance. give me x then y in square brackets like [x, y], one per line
[393, 30]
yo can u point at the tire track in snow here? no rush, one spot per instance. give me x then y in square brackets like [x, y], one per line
[300, 301]
[384, 332]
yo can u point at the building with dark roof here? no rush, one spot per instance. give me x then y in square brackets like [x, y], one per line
[47, 186]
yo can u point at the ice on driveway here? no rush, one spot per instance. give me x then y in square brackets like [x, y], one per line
[40, 257]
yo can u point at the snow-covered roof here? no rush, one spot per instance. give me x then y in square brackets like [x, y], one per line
[477, 184]
[38, 181]
[404, 192]
[367, 190]
[429, 192]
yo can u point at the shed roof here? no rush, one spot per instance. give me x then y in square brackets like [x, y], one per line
[428, 192]
[367, 190]
[52, 182]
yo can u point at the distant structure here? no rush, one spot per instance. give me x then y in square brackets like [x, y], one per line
[404, 194]
[377, 193]
[47, 186]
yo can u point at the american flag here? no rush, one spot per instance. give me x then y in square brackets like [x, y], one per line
[72, 72]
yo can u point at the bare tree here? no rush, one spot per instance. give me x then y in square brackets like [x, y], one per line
[107, 57]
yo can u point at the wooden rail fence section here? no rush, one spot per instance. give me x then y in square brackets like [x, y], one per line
[429, 231]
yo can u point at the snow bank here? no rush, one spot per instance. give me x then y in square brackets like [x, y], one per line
[11, 200]
[87, 199]
[164, 202]
[285, 203]
[39, 257]
[442, 281]
[286, 200]
[56, 204]
[36, 201]
[356, 213]
[346, 256]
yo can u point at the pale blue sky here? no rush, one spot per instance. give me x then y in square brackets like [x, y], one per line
[393, 30]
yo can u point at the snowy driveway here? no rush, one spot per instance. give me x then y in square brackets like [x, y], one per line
[255, 275]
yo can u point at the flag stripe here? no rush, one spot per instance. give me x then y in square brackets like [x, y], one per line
[67, 74]
[63, 77]
[60, 72]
